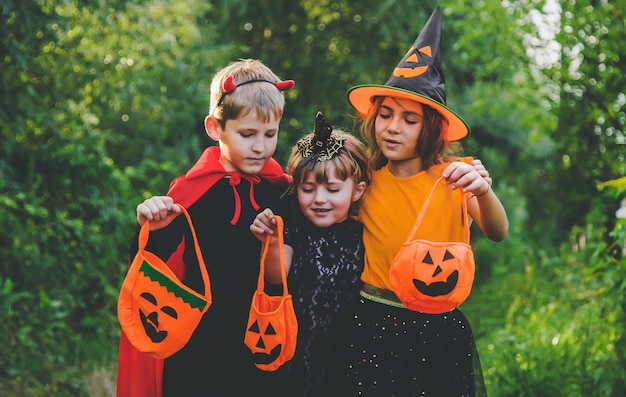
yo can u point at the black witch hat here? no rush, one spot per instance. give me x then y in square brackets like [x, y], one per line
[418, 77]
[321, 145]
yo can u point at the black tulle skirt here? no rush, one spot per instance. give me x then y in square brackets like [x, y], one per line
[394, 351]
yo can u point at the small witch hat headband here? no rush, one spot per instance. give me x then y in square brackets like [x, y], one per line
[229, 86]
[417, 77]
[322, 145]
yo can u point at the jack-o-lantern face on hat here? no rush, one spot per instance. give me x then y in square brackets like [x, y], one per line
[410, 66]
[419, 76]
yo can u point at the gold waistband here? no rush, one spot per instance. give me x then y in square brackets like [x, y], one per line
[380, 295]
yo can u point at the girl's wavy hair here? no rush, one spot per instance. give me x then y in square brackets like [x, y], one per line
[431, 146]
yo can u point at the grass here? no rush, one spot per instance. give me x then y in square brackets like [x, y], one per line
[101, 382]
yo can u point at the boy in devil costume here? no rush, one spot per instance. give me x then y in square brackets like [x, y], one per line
[222, 192]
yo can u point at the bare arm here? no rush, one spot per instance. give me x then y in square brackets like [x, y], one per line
[484, 207]
[265, 224]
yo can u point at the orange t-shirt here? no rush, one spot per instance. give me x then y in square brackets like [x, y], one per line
[388, 213]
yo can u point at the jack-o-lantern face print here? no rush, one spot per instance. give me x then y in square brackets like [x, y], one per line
[150, 321]
[432, 277]
[437, 278]
[412, 67]
[271, 330]
[157, 311]
[161, 304]
[268, 344]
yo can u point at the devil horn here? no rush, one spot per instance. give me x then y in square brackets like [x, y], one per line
[285, 85]
[229, 85]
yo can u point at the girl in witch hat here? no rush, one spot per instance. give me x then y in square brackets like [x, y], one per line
[395, 349]
[323, 254]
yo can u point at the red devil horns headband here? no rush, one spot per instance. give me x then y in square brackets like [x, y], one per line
[230, 86]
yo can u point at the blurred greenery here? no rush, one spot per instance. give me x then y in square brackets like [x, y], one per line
[102, 105]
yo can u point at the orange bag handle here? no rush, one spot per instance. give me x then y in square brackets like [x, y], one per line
[143, 241]
[281, 248]
[420, 215]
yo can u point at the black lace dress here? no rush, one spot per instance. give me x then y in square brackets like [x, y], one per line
[325, 282]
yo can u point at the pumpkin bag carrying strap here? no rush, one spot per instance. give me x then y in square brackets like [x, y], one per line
[143, 241]
[281, 244]
[159, 313]
[420, 215]
[271, 316]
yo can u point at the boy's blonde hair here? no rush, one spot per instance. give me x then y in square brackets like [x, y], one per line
[350, 162]
[261, 97]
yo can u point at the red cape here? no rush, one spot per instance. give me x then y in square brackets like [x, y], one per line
[141, 375]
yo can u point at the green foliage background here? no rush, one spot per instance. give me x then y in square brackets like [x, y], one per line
[102, 105]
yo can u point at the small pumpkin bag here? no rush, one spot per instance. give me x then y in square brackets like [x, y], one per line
[157, 312]
[433, 277]
[272, 325]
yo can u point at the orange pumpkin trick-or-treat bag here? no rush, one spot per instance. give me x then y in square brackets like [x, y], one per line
[157, 312]
[272, 325]
[433, 277]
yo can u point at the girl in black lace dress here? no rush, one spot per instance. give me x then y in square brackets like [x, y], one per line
[323, 253]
